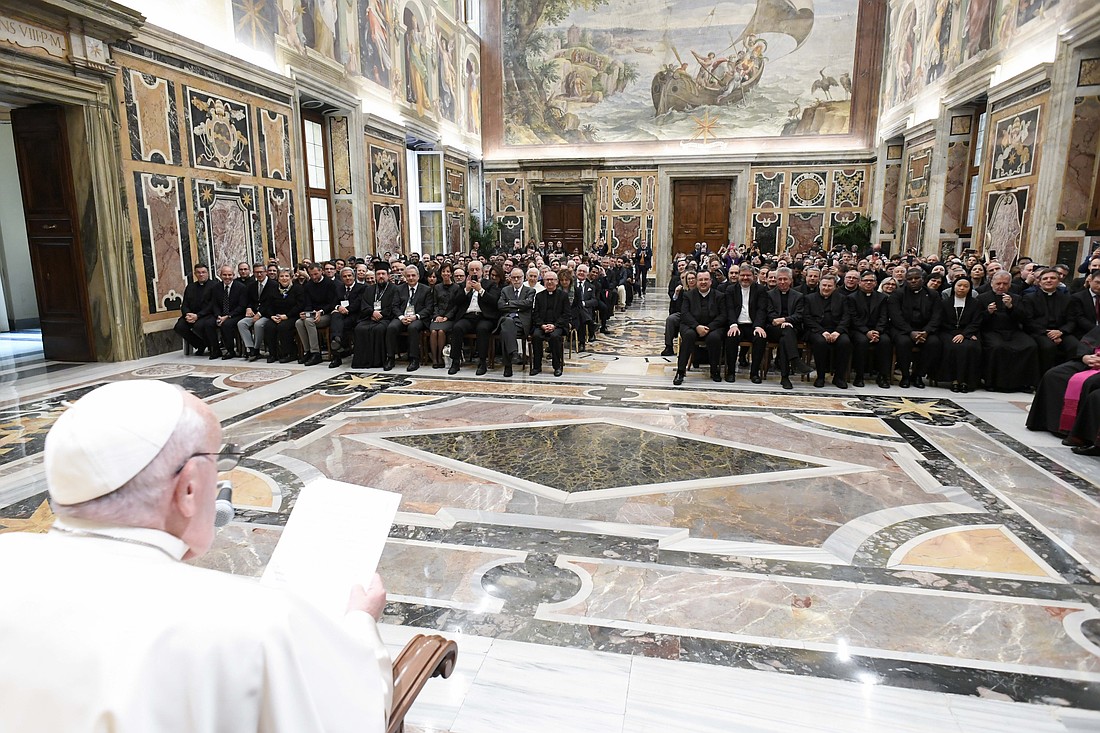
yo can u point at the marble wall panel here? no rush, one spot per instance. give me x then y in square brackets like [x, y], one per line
[626, 233]
[784, 191]
[804, 229]
[954, 196]
[341, 155]
[219, 132]
[1089, 73]
[626, 194]
[1080, 178]
[510, 194]
[226, 223]
[890, 180]
[769, 190]
[808, 188]
[766, 231]
[913, 226]
[456, 231]
[918, 173]
[1014, 138]
[152, 117]
[165, 243]
[282, 236]
[848, 187]
[456, 188]
[344, 225]
[274, 146]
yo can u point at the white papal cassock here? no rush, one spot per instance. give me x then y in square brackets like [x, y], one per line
[109, 635]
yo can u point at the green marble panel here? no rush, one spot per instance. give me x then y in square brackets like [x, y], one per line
[592, 456]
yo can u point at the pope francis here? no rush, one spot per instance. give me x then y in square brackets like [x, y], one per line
[102, 628]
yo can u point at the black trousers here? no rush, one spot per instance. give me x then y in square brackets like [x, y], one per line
[689, 337]
[733, 345]
[413, 330]
[280, 338]
[471, 323]
[1052, 354]
[916, 359]
[342, 329]
[837, 354]
[878, 353]
[557, 348]
[193, 333]
[787, 340]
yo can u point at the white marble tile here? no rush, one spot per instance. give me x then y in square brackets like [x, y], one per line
[996, 716]
[531, 688]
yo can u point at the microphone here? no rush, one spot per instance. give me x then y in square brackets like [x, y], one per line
[223, 507]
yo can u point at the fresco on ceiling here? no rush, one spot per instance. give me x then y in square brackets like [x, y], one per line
[603, 71]
[928, 40]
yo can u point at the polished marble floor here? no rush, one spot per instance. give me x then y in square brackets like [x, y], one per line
[617, 554]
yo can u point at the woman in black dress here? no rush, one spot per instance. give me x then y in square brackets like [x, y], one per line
[962, 351]
[439, 333]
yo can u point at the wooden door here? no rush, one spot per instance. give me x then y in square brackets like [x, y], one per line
[701, 213]
[57, 262]
[563, 218]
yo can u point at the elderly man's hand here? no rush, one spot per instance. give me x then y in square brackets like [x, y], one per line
[371, 599]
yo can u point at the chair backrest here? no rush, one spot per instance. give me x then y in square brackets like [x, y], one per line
[422, 658]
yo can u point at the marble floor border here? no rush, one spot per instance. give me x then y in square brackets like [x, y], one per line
[895, 559]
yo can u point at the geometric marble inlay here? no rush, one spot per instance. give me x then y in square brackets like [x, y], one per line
[975, 549]
[600, 455]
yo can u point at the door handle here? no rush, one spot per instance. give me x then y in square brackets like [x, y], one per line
[49, 226]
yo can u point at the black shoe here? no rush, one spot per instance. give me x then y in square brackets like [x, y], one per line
[755, 379]
[286, 360]
[215, 354]
[904, 382]
[481, 368]
[314, 359]
[272, 359]
[454, 367]
[1072, 442]
[882, 383]
[517, 358]
[1087, 450]
[557, 372]
[800, 366]
[580, 348]
[819, 382]
[413, 365]
[336, 361]
[229, 354]
[964, 387]
[785, 382]
[857, 382]
[253, 354]
[605, 331]
[715, 376]
[678, 379]
[536, 370]
[668, 352]
[918, 382]
[438, 365]
[387, 365]
[955, 387]
[302, 358]
[731, 377]
[839, 383]
[508, 368]
[201, 351]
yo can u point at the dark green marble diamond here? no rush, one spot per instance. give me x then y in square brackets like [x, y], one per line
[589, 457]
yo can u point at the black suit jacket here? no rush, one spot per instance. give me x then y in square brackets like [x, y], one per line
[354, 298]
[587, 297]
[423, 301]
[699, 311]
[486, 301]
[551, 308]
[253, 298]
[1083, 311]
[821, 314]
[773, 308]
[237, 300]
[735, 301]
[1049, 311]
[919, 311]
[868, 312]
[196, 299]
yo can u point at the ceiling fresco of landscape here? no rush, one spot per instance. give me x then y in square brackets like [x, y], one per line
[613, 71]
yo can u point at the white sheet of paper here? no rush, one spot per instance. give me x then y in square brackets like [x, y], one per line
[332, 541]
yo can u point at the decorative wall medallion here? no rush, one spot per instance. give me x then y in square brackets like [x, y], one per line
[626, 194]
[385, 172]
[808, 189]
[1014, 145]
[219, 132]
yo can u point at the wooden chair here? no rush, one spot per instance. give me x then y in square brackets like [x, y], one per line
[422, 658]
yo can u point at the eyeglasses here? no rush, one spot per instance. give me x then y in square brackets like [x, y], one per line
[227, 458]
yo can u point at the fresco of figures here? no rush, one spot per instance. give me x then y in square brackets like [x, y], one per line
[405, 46]
[929, 39]
[625, 71]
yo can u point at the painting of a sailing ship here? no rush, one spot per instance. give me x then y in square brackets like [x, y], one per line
[603, 71]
